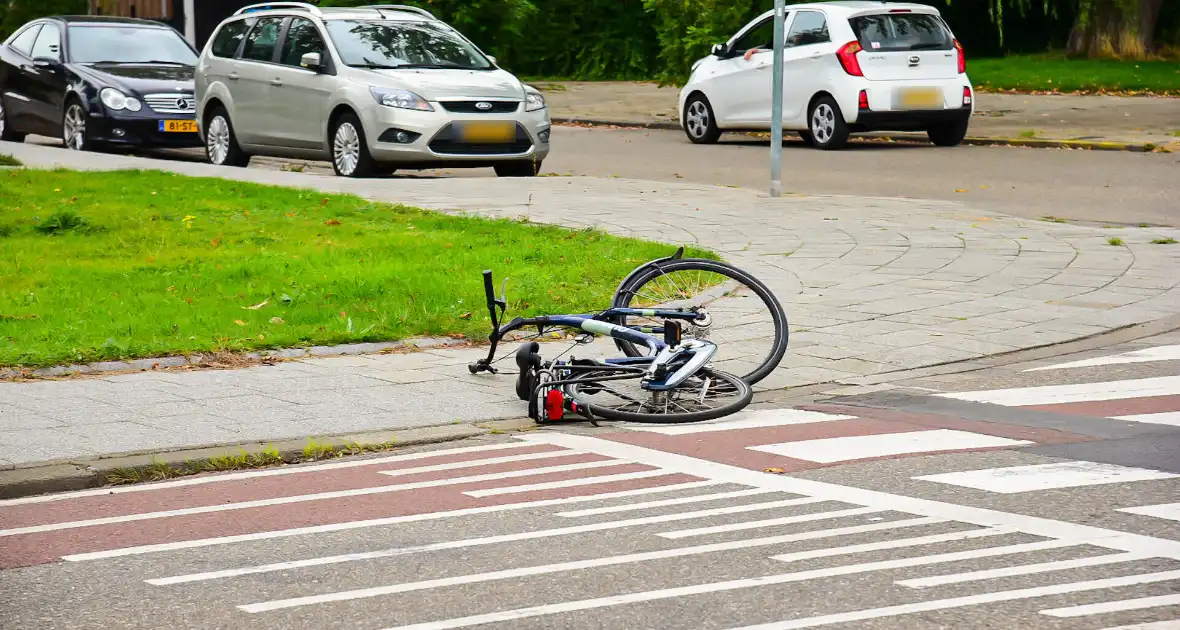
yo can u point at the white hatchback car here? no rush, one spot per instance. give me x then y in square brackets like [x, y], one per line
[848, 67]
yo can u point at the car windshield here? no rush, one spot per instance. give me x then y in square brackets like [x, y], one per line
[370, 44]
[901, 31]
[128, 44]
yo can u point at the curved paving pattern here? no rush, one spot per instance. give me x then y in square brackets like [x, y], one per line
[870, 285]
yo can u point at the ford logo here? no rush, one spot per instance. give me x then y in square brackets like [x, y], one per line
[483, 106]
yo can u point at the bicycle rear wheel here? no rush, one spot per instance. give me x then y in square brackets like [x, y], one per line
[706, 395]
[749, 324]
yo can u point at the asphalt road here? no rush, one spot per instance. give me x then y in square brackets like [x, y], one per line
[1102, 187]
[916, 508]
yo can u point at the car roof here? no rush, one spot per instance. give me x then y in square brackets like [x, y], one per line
[107, 19]
[857, 6]
[344, 13]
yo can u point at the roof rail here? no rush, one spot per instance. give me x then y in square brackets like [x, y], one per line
[266, 6]
[401, 7]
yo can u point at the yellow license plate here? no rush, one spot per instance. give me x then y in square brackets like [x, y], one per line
[486, 132]
[178, 126]
[921, 98]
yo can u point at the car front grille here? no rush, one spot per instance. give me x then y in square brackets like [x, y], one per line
[171, 103]
[473, 107]
[446, 143]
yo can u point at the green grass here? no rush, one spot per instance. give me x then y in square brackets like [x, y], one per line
[1116, 241]
[1164, 241]
[1056, 73]
[8, 160]
[98, 266]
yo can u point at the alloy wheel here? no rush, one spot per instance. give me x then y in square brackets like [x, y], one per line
[823, 123]
[698, 119]
[217, 140]
[346, 149]
[74, 129]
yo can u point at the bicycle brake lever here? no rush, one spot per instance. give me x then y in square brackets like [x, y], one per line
[503, 289]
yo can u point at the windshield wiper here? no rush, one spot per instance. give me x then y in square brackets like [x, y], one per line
[137, 63]
[435, 66]
[374, 66]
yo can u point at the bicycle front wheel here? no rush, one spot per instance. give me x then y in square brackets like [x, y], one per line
[748, 324]
[706, 395]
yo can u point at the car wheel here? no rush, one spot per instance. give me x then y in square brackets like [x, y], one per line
[805, 136]
[826, 125]
[948, 134]
[7, 133]
[699, 123]
[221, 145]
[350, 151]
[73, 127]
[518, 169]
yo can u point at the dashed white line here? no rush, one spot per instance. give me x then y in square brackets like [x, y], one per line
[772, 522]
[1121, 605]
[1084, 392]
[1025, 569]
[632, 507]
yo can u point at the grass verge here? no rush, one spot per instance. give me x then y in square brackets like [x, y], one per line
[134, 264]
[159, 470]
[1057, 73]
[8, 160]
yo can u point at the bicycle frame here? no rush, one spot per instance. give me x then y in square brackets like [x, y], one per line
[662, 350]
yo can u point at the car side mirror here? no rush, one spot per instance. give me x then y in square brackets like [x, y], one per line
[312, 61]
[48, 63]
[718, 50]
[491, 59]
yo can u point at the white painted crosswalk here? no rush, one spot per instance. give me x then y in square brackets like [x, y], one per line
[1013, 479]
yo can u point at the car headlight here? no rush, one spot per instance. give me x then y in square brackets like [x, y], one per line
[533, 101]
[116, 100]
[401, 99]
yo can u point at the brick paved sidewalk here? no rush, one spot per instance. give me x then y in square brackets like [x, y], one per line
[1138, 120]
[870, 286]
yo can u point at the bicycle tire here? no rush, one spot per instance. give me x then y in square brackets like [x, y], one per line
[625, 293]
[745, 396]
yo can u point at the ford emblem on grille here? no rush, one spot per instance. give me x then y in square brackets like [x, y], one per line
[483, 106]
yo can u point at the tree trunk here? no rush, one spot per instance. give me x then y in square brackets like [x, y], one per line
[1115, 28]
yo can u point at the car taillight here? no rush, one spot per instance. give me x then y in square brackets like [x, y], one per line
[962, 57]
[554, 404]
[864, 100]
[847, 56]
[966, 96]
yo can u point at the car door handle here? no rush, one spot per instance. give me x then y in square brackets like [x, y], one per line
[277, 83]
[233, 76]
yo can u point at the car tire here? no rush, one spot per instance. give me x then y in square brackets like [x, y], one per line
[700, 125]
[73, 126]
[948, 134]
[825, 124]
[350, 150]
[518, 169]
[221, 143]
[805, 136]
[7, 133]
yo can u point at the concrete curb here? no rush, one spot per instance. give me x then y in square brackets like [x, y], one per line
[81, 474]
[1038, 143]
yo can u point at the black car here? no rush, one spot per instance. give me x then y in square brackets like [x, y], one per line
[95, 81]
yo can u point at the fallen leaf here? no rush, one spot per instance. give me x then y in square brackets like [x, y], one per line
[258, 305]
[332, 222]
[239, 322]
[960, 190]
[774, 471]
[277, 320]
[466, 315]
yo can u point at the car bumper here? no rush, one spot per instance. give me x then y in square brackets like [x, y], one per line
[917, 120]
[141, 131]
[414, 139]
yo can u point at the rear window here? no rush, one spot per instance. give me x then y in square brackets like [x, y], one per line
[901, 31]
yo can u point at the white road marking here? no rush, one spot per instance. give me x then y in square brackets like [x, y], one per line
[632, 507]
[841, 449]
[474, 463]
[901, 543]
[1049, 528]
[1072, 474]
[1170, 418]
[970, 600]
[801, 576]
[786, 520]
[1116, 606]
[1158, 353]
[1084, 392]
[583, 564]
[376, 522]
[568, 483]
[470, 542]
[1025, 569]
[302, 498]
[1150, 625]
[254, 474]
[1169, 511]
[748, 420]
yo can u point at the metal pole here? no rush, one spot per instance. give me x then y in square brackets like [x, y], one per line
[776, 110]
